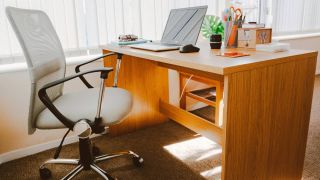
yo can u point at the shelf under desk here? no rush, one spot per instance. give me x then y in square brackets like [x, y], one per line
[206, 95]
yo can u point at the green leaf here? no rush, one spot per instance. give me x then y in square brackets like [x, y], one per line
[212, 25]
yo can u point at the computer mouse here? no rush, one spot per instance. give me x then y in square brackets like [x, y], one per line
[189, 48]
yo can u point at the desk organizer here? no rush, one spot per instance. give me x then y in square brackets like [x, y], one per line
[249, 37]
[231, 34]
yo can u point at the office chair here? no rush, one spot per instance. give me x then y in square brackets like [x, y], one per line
[85, 112]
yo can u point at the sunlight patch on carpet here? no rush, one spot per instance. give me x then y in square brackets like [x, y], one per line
[211, 172]
[197, 149]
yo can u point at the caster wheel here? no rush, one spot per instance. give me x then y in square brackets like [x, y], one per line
[45, 173]
[137, 161]
[96, 151]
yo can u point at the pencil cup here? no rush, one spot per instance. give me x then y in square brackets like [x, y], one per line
[231, 34]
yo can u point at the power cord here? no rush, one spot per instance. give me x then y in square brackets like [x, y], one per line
[184, 88]
[57, 153]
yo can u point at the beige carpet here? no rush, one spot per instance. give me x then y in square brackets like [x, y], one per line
[170, 151]
[312, 158]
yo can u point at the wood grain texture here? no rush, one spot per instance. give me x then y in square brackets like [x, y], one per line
[201, 99]
[266, 105]
[182, 84]
[148, 83]
[193, 122]
[207, 60]
[266, 120]
[193, 71]
[219, 107]
[194, 84]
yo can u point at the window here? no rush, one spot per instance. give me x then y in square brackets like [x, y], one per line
[83, 25]
[250, 9]
[285, 16]
[296, 16]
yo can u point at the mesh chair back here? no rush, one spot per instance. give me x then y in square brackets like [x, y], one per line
[43, 52]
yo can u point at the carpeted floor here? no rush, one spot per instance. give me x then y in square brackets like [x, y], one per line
[170, 152]
[312, 158]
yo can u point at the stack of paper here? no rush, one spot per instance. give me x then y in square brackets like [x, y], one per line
[273, 47]
[123, 43]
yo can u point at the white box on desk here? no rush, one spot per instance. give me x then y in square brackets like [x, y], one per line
[247, 38]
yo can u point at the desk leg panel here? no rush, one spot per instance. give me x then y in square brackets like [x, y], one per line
[148, 83]
[266, 120]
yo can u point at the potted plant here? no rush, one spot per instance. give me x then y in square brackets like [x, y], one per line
[213, 29]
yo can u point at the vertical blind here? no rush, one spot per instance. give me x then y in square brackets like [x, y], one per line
[296, 16]
[285, 16]
[83, 25]
[250, 9]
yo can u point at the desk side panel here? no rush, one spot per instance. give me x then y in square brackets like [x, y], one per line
[148, 83]
[267, 120]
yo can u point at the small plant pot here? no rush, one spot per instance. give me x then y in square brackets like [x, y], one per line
[215, 41]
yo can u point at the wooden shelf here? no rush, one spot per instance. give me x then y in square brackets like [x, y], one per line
[206, 113]
[193, 122]
[207, 95]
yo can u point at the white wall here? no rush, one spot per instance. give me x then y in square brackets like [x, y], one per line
[14, 104]
[308, 43]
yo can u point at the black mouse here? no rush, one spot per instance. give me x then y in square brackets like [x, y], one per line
[189, 48]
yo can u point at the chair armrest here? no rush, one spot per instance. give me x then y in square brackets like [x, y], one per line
[77, 69]
[48, 103]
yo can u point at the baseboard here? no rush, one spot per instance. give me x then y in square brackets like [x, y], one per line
[19, 153]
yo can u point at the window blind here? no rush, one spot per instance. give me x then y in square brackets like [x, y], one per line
[250, 9]
[285, 16]
[296, 16]
[84, 25]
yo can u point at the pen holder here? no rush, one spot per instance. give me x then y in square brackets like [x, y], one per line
[231, 34]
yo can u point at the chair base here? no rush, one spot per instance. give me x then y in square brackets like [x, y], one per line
[87, 161]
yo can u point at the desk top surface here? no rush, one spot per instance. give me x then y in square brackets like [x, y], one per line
[208, 61]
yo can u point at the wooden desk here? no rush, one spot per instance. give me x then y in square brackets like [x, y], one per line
[265, 110]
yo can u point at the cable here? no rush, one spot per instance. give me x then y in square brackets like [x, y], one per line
[184, 88]
[57, 153]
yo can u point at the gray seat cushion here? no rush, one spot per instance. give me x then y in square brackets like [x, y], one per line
[116, 105]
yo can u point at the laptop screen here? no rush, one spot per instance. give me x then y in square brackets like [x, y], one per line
[183, 25]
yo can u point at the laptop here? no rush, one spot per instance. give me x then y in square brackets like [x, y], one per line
[183, 27]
